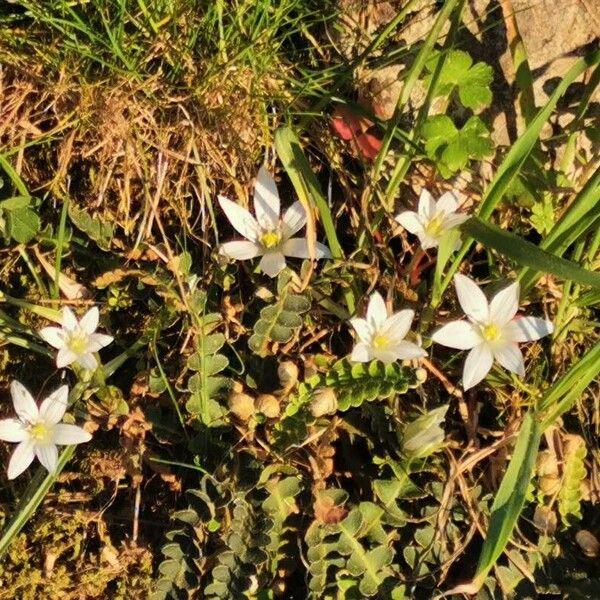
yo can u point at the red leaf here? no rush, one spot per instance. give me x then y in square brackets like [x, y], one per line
[369, 145]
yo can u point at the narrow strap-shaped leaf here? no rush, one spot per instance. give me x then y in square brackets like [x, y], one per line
[34, 495]
[305, 183]
[510, 497]
[527, 254]
[566, 391]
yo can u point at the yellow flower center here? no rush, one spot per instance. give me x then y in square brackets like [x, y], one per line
[435, 226]
[78, 343]
[39, 431]
[491, 332]
[380, 341]
[270, 239]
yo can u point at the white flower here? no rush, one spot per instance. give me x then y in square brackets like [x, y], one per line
[75, 340]
[381, 337]
[38, 431]
[432, 219]
[268, 235]
[492, 331]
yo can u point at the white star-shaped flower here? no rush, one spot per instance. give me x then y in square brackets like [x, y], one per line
[76, 341]
[38, 430]
[268, 235]
[493, 330]
[432, 219]
[381, 337]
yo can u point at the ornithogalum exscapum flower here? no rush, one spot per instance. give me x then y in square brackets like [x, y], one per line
[38, 431]
[492, 331]
[381, 336]
[268, 235]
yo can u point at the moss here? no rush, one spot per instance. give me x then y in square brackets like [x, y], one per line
[61, 557]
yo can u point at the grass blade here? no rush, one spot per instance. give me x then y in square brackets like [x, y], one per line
[527, 254]
[510, 497]
[565, 392]
[305, 183]
[307, 187]
[36, 491]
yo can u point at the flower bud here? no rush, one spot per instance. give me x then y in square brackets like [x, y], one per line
[324, 402]
[288, 375]
[241, 405]
[424, 435]
[268, 405]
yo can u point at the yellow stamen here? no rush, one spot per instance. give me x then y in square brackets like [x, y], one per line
[38, 431]
[270, 239]
[435, 226]
[78, 343]
[491, 332]
[380, 341]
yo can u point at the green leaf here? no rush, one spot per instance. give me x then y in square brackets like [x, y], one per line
[451, 148]
[510, 497]
[278, 322]
[15, 202]
[23, 224]
[472, 80]
[527, 254]
[102, 232]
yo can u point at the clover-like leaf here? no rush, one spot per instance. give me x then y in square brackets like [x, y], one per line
[451, 148]
[472, 81]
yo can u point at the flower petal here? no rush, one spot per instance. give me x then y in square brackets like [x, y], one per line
[66, 434]
[410, 221]
[89, 321]
[298, 248]
[21, 458]
[272, 264]
[454, 220]
[266, 200]
[427, 206]
[55, 336]
[53, 408]
[241, 220]
[471, 298]
[13, 430]
[396, 327]
[97, 341]
[88, 361]
[361, 353]
[48, 455]
[477, 365]
[505, 304]
[363, 329]
[510, 357]
[240, 250]
[69, 320]
[293, 220]
[65, 357]
[386, 355]
[407, 350]
[448, 202]
[461, 335]
[376, 311]
[528, 329]
[428, 241]
[23, 401]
